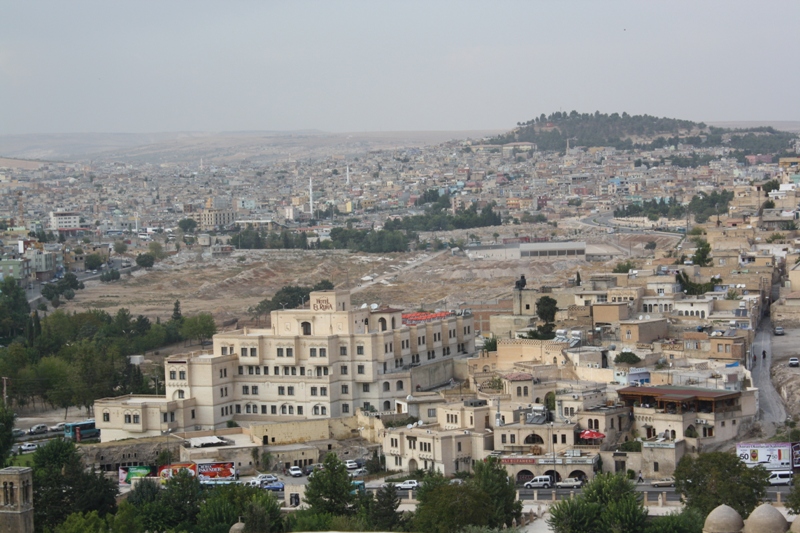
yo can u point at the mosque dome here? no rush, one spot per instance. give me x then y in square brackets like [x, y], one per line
[723, 519]
[766, 519]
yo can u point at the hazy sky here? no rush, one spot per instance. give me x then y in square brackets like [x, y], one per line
[138, 66]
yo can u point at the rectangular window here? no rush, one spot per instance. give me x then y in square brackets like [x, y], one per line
[280, 352]
[344, 370]
[302, 371]
[294, 371]
[513, 438]
[323, 391]
[313, 391]
[244, 352]
[431, 413]
[323, 352]
[281, 391]
[106, 417]
[127, 419]
[172, 416]
[290, 391]
[345, 389]
[289, 352]
[238, 409]
[312, 352]
[254, 389]
[192, 414]
[342, 350]
[273, 409]
[224, 350]
[266, 371]
[263, 409]
[277, 370]
[165, 417]
[359, 350]
[360, 369]
[299, 409]
[253, 352]
[258, 371]
[365, 387]
[286, 371]
[241, 370]
[459, 446]
[172, 374]
[503, 438]
[182, 374]
[345, 408]
[655, 466]
[250, 370]
[563, 439]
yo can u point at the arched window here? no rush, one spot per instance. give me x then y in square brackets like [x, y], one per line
[382, 324]
[398, 385]
[702, 314]
[306, 326]
[591, 424]
[519, 391]
[525, 391]
[386, 386]
[324, 410]
[291, 409]
[596, 424]
[387, 405]
[316, 410]
[283, 409]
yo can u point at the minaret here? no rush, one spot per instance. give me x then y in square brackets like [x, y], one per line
[310, 197]
[348, 175]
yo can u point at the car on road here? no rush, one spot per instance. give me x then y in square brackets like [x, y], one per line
[570, 483]
[28, 447]
[58, 428]
[38, 429]
[794, 361]
[778, 331]
[296, 471]
[265, 478]
[350, 464]
[663, 482]
[539, 482]
[409, 484]
[276, 486]
[358, 472]
[18, 433]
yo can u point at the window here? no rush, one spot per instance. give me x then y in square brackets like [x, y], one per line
[323, 391]
[365, 387]
[344, 370]
[655, 467]
[281, 391]
[312, 352]
[254, 389]
[253, 352]
[431, 413]
[323, 352]
[359, 350]
[294, 371]
[250, 370]
[324, 410]
[266, 371]
[563, 439]
[238, 409]
[171, 374]
[277, 370]
[247, 409]
[180, 394]
[345, 389]
[172, 416]
[245, 389]
[258, 370]
[398, 385]
[299, 409]
[192, 414]
[290, 391]
[291, 409]
[263, 409]
[503, 438]
[302, 371]
[313, 391]
[386, 386]
[280, 352]
[342, 350]
[289, 352]
[127, 419]
[273, 409]
[360, 369]
[224, 350]
[306, 327]
[315, 410]
[241, 370]
[345, 408]
[106, 417]
[182, 374]
[165, 418]
[244, 352]
[283, 409]
[513, 438]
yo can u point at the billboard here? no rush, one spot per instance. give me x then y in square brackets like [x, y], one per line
[128, 473]
[167, 471]
[770, 455]
[216, 471]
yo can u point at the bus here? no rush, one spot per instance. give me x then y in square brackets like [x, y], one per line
[79, 431]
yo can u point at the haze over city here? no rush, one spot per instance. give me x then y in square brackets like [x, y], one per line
[381, 66]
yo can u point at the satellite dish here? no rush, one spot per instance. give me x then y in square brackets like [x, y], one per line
[409, 426]
[420, 422]
[613, 347]
[373, 306]
[641, 317]
[409, 397]
[647, 317]
[363, 306]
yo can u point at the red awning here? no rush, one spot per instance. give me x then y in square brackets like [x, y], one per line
[590, 434]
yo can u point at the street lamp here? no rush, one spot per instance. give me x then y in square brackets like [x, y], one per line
[553, 449]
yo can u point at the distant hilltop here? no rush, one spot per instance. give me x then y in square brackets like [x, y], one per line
[625, 132]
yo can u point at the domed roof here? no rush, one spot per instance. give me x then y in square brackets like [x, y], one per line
[723, 519]
[766, 519]
[238, 527]
[795, 526]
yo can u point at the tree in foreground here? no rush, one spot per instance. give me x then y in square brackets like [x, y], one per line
[492, 478]
[449, 508]
[383, 514]
[146, 260]
[330, 489]
[717, 478]
[546, 308]
[6, 433]
[200, 327]
[608, 504]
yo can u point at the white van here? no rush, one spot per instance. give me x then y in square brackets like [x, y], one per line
[783, 477]
[539, 482]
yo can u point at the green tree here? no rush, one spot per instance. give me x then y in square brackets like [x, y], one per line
[546, 308]
[14, 308]
[627, 357]
[492, 479]
[383, 514]
[200, 327]
[6, 433]
[609, 503]
[83, 523]
[651, 245]
[262, 514]
[701, 253]
[717, 478]
[449, 508]
[623, 267]
[490, 344]
[92, 261]
[146, 260]
[177, 316]
[187, 225]
[61, 486]
[156, 249]
[329, 490]
[120, 247]
[578, 279]
[686, 521]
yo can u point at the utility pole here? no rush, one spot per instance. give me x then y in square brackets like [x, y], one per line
[5, 390]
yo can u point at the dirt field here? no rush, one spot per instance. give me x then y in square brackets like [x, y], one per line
[786, 379]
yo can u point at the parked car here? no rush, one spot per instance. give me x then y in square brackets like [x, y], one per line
[262, 479]
[784, 477]
[663, 482]
[778, 331]
[18, 433]
[38, 429]
[794, 361]
[350, 464]
[296, 471]
[58, 428]
[358, 472]
[276, 486]
[539, 482]
[570, 483]
[28, 447]
[409, 484]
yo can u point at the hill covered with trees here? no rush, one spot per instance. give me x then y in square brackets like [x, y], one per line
[646, 132]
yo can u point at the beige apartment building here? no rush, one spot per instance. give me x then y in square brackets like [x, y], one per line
[326, 360]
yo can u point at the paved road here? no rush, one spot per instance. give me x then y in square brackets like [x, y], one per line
[770, 402]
